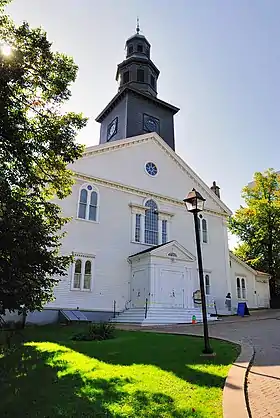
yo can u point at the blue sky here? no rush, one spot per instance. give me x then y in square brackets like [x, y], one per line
[219, 62]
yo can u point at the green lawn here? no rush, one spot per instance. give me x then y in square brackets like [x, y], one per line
[137, 374]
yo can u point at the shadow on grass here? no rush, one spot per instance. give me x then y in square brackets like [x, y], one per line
[180, 355]
[33, 385]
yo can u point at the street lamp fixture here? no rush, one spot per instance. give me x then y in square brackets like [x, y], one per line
[195, 203]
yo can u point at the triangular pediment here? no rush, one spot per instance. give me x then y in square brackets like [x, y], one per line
[123, 163]
[171, 250]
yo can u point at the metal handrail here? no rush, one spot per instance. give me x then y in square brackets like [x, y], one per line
[146, 307]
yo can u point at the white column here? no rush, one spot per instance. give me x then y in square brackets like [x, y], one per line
[142, 228]
[153, 273]
[168, 230]
[159, 230]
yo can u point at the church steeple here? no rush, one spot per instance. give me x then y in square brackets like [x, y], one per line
[135, 109]
[138, 70]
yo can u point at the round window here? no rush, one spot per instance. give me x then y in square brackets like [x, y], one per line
[151, 168]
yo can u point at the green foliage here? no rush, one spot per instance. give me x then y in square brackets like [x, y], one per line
[97, 331]
[258, 225]
[37, 143]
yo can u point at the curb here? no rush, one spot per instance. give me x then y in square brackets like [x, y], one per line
[235, 395]
[239, 321]
[246, 382]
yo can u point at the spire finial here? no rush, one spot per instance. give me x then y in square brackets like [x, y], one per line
[137, 26]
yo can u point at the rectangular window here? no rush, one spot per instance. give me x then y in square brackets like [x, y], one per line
[243, 288]
[153, 81]
[126, 77]
[207, 284]
[139, 48]
[164, 231]
[92, 213]
[82, 210]
[204, 231]
[238, 288]
[137, 227]
[77, 280]
[130, 49]
[140, 75]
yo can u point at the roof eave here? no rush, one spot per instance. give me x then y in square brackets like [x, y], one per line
[121, 93]
[138, 59]
[255, 272]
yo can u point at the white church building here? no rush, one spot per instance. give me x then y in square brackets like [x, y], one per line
[131, 236]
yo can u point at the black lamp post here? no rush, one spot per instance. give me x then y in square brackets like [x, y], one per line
[195, 203]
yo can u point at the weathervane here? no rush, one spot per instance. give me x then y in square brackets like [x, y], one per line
[137, 26]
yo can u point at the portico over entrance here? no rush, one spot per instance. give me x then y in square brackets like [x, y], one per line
[163, 276]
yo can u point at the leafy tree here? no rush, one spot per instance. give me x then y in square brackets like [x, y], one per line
[37, 142]
[258, 225]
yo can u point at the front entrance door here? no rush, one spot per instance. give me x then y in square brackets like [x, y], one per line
[262, 291]
[139, 288]
[171, 289]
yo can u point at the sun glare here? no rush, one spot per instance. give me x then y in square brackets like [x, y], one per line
[6, 50]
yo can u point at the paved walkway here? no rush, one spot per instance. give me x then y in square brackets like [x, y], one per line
[262, 330]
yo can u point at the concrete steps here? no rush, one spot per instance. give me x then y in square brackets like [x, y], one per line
[160, 316]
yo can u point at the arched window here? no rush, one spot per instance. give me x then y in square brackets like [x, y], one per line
[207, 284]
[82, 275]
[243, 288]
[77, 274]
[151, 223]
[87, 275]
[92, 215]
[88, 203]
[83, 204]
[238, 288]
[204, 231]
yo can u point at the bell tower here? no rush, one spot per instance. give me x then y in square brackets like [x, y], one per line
[137, 70]
[136, 109]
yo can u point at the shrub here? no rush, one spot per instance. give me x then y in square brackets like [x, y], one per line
[11, 337]
[97, 331]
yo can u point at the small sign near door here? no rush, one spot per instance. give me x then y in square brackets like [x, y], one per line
[197, 296]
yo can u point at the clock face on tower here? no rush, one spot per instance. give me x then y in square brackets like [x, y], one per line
[112, 129]
[151, 124]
